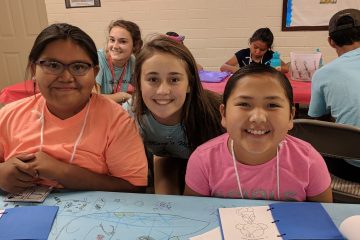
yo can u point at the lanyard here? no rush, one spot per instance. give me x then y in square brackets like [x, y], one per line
[42, 120]
[117, 86]
[237, 174]
[251, 60]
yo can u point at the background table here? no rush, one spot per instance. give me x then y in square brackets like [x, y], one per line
[301, 90]
[110, 215]
[25, 89]
[17, 91]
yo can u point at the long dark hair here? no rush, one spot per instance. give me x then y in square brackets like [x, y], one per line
[62, 31]
[261, 70]
[200, 113]
[263, 34]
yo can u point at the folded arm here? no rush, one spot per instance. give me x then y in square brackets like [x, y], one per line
[74, 177]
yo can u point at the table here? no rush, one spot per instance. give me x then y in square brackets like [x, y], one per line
[17, 91]
[25, 89]
[301, 90]
[111, 215]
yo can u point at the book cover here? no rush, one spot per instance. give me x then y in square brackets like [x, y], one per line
[30, 222]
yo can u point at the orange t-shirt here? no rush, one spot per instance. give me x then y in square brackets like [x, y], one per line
[110, 143]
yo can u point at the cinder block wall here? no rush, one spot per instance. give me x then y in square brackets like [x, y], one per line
[214, 29]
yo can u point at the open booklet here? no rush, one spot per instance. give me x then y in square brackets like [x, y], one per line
[295, 220]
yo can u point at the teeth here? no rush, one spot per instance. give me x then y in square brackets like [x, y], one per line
[162, 101]
[256, 132]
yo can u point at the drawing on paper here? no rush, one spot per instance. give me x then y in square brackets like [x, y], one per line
[248, 226]
[94, 217]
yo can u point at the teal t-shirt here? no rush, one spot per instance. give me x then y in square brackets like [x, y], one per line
[104, 77]
[162, 140]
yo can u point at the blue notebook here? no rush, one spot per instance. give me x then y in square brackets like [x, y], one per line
[31, 222]
[288, 220]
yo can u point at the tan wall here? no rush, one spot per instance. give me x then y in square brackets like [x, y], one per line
[214, 29]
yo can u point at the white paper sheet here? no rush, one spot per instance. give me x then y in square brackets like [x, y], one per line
[350, 227]
[248, 223]
[214, 234]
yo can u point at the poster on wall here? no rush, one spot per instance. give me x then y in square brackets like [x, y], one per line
[82, 3]
[313, 15]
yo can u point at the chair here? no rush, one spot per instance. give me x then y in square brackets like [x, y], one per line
[334, 142]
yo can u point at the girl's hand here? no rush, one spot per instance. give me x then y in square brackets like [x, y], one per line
[122, 97]
[46, 166]
[16, 174]
[278, 68]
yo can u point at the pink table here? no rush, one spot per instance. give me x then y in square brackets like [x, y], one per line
[25, 89]
[17, 91]
[301, 90]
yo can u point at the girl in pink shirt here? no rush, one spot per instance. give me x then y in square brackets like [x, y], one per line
[256, 158]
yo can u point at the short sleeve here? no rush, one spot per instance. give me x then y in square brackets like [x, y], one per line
[317, 106]
[241, 57]
[100, 76]
[125, 155]
[196, 175]
[2, 135]
[267, 57]
[319, 176]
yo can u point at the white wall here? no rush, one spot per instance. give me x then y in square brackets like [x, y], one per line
[214, 29]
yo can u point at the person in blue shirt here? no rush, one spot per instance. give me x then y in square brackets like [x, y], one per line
[335, 87]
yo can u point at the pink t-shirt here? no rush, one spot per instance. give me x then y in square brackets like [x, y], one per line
[110, 143]
[302, 172]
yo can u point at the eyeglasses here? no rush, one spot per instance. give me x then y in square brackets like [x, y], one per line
[57, 68]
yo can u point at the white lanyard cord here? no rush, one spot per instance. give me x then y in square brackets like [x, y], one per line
[251, 60]
[237, 174]
[277, 172]
[42, 120]
[235, 168]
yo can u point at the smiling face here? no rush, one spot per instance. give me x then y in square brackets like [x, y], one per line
[257, 49]
[257, 118]
[65, 94]
[164, 85]
[120, 45]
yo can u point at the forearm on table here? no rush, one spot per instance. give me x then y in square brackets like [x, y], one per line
[75, 177]
[284, 67]
[229, 68]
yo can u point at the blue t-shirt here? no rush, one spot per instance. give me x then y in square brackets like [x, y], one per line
[335, 90]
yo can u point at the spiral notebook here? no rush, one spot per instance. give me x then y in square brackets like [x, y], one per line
[293, 220]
